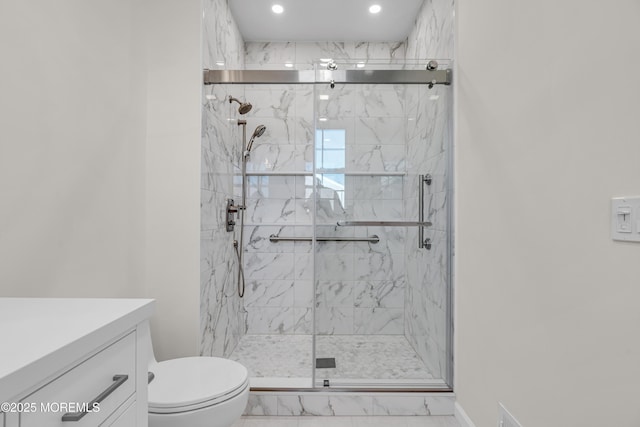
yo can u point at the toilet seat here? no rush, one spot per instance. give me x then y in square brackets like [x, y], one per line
[191, 383]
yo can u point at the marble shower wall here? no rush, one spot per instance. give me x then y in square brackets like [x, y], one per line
[221, 310]
[361, 285]
[432, 36]
[274, 55]
[429, 144]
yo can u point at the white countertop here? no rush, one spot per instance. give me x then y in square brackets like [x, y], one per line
[40, 336]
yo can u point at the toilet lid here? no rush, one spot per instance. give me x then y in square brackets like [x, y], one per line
[192, 381]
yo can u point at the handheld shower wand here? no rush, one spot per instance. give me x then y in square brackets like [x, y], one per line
[256, 134]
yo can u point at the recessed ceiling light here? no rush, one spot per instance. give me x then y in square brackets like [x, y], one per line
[323, 97]
[288, 64]
[323, 119]
[376, 8]
[360, 65]
[220, 63]
[276, 8]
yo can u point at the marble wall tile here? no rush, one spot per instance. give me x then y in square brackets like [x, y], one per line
[303, 269]
[433, 33]
[219, 331]
[271, 211]
[278, 157]
[304, 101]
[380, 100]
[310, 52]
[222, 41]
[362, 404]
[376, 158]
[392, 239]
[334, 320]
[380, 51]
[410, 405]
[372, 209]
[373, 321]
[277, 187]
[340, 103]
[386, 294]
[261, 404]
[380, 130]
[269, 293]
[325, 405]
[428, 149]
[270, 320]
[221, 310]
[330, 266]
[373, 187]
[212, 215]
[303, 55]
[271, 101]
[335, 293]
[303, 293]
[269, 266]
[303, 318]
[270, 53]
[256, 238]
[379, 266]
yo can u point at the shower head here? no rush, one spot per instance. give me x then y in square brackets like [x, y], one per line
[244, 107]
[256, 134]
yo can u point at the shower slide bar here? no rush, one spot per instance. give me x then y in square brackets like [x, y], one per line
[430, 77]
[371, 239]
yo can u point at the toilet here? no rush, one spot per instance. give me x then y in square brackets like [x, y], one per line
[196, 391]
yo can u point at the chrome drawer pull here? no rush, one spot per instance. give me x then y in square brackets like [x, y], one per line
[118, 380]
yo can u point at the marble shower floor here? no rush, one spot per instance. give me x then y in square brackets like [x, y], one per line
[360, 357]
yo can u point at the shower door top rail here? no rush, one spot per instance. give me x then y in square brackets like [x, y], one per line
[430, 77]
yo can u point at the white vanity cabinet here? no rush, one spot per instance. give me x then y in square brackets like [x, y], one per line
[86, 368]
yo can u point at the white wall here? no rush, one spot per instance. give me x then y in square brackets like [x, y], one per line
[100, 155]
[71, 150]
[173, 173]
[547, 131]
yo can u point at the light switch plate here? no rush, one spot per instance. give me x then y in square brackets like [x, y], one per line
[625, 219]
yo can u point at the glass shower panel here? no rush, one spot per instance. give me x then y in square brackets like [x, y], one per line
[379, 320]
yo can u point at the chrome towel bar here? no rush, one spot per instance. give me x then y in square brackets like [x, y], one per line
[383, 224]
[371, 239]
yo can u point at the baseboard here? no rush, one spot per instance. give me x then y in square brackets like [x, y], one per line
[462, 417]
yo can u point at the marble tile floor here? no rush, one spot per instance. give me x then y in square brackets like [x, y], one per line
[380, 357]
[385, 421]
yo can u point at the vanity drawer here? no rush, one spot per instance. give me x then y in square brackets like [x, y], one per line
[109, 374]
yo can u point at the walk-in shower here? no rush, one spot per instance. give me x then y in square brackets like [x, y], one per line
[346, 243]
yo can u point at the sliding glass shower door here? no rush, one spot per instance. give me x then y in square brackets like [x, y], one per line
[382, 298]
[346, 235]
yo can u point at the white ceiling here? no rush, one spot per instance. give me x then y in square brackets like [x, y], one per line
[325, 20]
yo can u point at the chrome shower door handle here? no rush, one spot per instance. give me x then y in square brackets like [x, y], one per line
[422, 242]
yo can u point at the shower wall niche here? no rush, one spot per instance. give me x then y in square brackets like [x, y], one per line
[349, 153]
